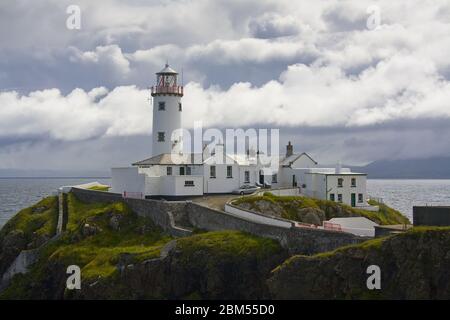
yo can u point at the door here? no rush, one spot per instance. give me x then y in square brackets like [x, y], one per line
[294, 181]
[261, 177]
[353, 199]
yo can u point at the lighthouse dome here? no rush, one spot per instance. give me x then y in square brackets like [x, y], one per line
[167, 70]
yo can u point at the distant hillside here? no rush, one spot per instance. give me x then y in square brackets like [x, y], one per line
[432, 168]
[19, 173]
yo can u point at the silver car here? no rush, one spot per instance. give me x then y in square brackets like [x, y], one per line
[246, 189]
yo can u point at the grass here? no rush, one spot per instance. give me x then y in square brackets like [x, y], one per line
[37, 220]
[99, 254]
[289, 207]
[99, 188]
[228, 242]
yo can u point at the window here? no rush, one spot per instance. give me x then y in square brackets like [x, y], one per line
[339, 197]
[189, 183]
[181, 171]
[274, 178]
[188, 171]
[353, 182]
[332, 198]
[169, 171]
[212, 171]
[229, 172]
[340, 182]
[161, 136]
[247, 176]
[360, 198]
[180, 107]
[161, 106]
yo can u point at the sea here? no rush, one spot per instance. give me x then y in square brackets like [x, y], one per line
[19, 193]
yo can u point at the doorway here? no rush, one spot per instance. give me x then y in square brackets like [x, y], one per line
[353, 199]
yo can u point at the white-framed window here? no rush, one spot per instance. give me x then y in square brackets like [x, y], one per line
[188, 171]
[247, 176]
[182, 171]
[189, 183]
[161, 136]
[360, 198]
[212, 171]
[332, 197]
[340, 182]
[274, 178]
[339, 197]
[161, 106]
[353, 182]
[229, 171]
[169, 171]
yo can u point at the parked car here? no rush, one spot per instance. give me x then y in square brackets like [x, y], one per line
[246, 189]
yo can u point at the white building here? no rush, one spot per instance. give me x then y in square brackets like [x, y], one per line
[170, 173]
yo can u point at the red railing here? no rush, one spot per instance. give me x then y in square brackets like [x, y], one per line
[133, 195]
[332, 226]
[169, 90]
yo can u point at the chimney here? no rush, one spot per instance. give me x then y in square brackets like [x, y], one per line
[289, 149]
[338, 168]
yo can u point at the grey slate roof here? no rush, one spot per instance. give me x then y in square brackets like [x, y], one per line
[287, 162]
[168, 159]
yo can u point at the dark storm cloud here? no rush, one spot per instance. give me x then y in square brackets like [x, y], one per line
[312, 69]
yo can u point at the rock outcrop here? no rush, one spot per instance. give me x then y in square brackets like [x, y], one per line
[414, 265]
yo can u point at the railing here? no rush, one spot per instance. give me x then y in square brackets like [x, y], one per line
[166, 89]
[332, 226]
[133, 195]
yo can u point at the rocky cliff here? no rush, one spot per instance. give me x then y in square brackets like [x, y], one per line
[413, 265]
[125, 256]
[122, 255]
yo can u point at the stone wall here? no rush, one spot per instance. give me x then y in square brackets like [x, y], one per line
[178, 217]
[162, 213]
[296, 240]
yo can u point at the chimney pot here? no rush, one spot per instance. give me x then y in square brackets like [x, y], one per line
[289, 149]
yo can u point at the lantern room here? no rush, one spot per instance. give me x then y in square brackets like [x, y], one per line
[166, 82]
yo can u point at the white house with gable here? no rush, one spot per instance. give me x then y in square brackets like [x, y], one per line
[170, 173]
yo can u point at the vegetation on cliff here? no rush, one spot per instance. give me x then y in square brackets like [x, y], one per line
[315, 211]
[28, 229]
[414, 265]
[119, 254]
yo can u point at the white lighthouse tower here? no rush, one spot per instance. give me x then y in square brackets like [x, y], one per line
[167, 110]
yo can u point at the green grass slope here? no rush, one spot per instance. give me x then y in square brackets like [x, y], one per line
[414, 265]
[310, 210]
[104, 239]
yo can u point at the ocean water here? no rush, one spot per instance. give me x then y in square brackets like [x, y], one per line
[16, 194]
[19, 193]
[405, 193]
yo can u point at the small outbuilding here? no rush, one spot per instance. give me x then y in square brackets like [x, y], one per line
[359, 226]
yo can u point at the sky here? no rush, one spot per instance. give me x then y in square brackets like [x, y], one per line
[350, 81]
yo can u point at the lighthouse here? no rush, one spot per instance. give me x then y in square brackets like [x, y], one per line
[167, 111]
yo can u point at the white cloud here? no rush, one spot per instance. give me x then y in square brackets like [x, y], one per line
[260, 62]
[76, 116]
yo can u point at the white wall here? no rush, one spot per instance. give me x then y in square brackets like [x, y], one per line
[175, 186]
[346, 190]
[256, 217]
[127, 180]
[221, 184]
[166, 120]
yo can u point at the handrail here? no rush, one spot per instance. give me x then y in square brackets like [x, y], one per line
[178, 90]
